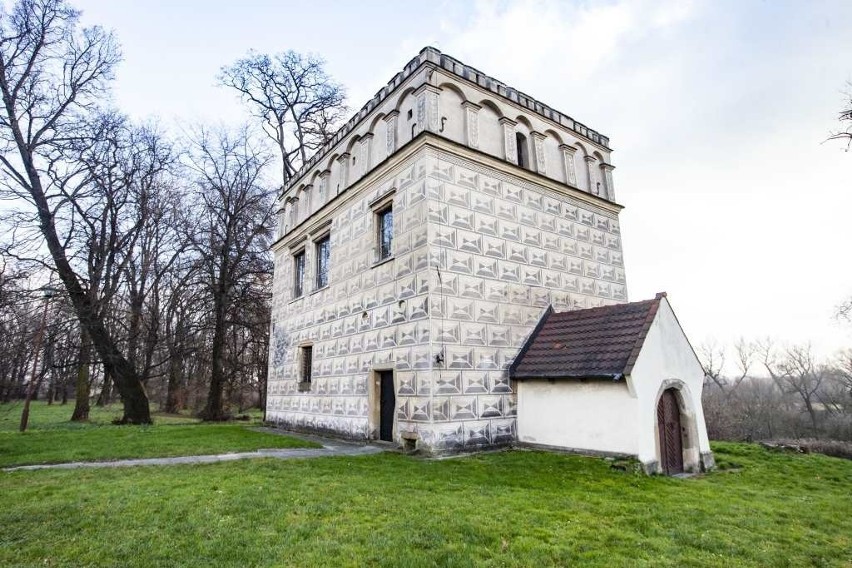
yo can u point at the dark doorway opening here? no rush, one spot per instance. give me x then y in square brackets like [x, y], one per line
[387, 406]
[671, 441]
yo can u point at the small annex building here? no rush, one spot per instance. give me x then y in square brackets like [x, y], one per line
[449, 275]
[615, 380]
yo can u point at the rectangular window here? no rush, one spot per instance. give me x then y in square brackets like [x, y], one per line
[305, 362]
[323, 247]
[385, 227]
[298, 274]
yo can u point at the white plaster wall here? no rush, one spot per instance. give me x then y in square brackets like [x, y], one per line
[666, 356]
[503, 248]
[369, 316]
[490, 130]
[506, 248]
[598, 416]
[453, 113]
[379, 143]
[583, 181]
[407, 117]
[553, 157]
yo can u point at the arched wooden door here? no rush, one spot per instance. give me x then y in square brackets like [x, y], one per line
[668, 424]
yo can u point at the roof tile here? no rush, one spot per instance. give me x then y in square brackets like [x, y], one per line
[591, 343]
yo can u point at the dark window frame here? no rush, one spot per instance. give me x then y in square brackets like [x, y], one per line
[322, 247]
[384, 233]
[299, 264]
[306, 358]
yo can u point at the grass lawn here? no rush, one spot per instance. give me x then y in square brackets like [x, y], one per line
[516, 508]
[51, 438]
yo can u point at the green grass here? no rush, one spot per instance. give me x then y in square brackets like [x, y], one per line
[51, 438]
[505, 509]
[56, 417]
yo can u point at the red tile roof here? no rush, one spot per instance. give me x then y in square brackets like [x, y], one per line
[593, 343]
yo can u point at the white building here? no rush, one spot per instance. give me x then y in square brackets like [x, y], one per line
[418, 251]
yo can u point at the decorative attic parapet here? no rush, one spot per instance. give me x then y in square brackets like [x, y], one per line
[350, 125]
[473, 75]
[459, 69]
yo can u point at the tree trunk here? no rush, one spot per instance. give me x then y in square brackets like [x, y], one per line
[32, 388]
[173, 405]
[133, 327]
[812, 413]
[263, 371]
[214, 409]
[81, 390]
[105, 397]
[51, 390]
[48, 367]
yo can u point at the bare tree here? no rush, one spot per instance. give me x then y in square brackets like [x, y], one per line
[714, 357]
[845, 118]
[298, 103]
[53, 75]
[795, 371]
[844, 310]
[801, 396]
[231, 238]
[18, 325]
[843, 364]
[115, 177]
[746, 353]
[156, 254]
[182, 303]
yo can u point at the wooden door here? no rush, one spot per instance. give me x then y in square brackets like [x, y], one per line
[387, 406]
[668, 424]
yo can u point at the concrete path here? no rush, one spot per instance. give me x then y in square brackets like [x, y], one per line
[329, 448]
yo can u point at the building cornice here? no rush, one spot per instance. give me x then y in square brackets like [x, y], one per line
[388, 166]
[477, 160]
[445, 148]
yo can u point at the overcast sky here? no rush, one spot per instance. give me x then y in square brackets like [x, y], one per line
[717, 111]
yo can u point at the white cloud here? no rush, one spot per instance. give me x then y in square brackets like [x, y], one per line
[526, 35]
[717, 112]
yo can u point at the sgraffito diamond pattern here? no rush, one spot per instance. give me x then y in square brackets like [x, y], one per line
[478, 256]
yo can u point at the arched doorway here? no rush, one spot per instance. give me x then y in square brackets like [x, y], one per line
[669, 428]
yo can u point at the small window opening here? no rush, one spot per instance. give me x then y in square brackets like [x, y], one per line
[410, 114]
[385, 233]
[523, 150]
[305, 363]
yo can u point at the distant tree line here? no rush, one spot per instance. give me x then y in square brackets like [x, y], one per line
[135, 265]
[757, 390]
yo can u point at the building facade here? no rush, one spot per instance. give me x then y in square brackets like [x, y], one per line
[418, 250]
